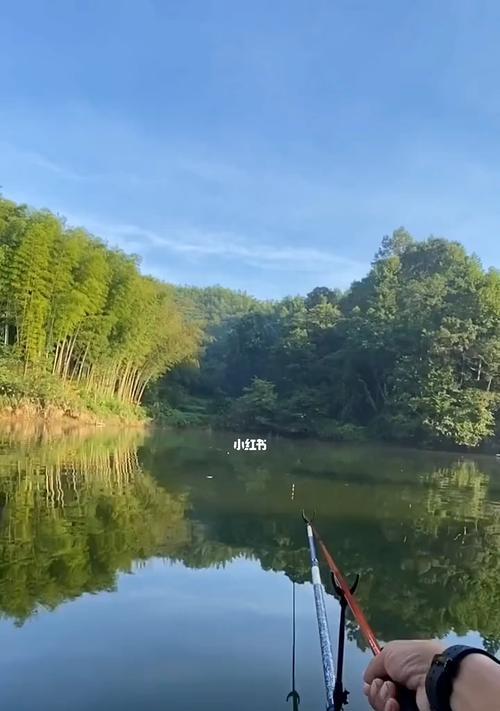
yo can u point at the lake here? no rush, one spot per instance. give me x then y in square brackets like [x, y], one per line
[156, 571]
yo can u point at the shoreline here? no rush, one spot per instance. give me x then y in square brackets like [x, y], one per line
[51, 414]
[31, 413]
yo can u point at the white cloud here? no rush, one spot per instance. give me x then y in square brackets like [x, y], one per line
[38, 160]
[196, 244]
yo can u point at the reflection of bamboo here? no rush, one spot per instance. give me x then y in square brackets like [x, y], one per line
[48, 489]
[74, 486]
[70, 469]
[60, 491]
[50, 483]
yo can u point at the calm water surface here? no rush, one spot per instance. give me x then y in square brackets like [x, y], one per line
[155, 572]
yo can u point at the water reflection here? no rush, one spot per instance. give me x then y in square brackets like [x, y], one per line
[423, 530]
[77, 511]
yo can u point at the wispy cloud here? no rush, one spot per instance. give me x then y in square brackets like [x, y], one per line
[38, 160]
[29, 159]
[196, 244]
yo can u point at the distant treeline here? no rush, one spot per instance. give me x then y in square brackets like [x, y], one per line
[410, 353]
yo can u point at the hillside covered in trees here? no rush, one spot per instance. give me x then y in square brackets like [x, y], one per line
[410, 353]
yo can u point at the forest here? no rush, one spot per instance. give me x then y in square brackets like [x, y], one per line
[410, 353]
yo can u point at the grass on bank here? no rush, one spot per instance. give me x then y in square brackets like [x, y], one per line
[43, 394]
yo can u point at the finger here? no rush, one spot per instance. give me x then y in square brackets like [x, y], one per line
[391, 705]
[366, 689]
[383, 693]
[376, 668]
[391, 691]
[375, 696]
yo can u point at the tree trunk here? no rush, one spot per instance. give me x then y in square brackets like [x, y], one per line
[82, 363]
[142, 389]
[69, 356]
[368, 394]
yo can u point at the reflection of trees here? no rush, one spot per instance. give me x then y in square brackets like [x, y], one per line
[74, 516]
[202, 551]
[421, 529]
[423, 534]
[459, 493]
[443, 571]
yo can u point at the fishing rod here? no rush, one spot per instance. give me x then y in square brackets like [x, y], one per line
[340, 582]
[345, 593]
[324, 632]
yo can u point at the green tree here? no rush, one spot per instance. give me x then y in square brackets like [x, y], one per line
[77, 311]
[256, 408]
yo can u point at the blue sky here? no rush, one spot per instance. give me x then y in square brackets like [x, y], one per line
[265, 146]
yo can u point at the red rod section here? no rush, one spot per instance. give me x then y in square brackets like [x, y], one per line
[356, 610]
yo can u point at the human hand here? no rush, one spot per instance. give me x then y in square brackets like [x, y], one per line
[403, 662]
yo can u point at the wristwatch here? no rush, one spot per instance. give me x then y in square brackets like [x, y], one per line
[443, 671]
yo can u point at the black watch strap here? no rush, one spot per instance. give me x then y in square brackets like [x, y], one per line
[443, 671]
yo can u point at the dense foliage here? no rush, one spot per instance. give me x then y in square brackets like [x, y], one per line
[74, 311]
[411, 353]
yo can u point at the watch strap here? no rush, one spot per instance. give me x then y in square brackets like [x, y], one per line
[443, 671]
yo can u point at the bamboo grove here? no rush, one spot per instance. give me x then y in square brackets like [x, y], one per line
[73, 307]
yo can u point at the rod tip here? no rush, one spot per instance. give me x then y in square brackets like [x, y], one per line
[306, 518]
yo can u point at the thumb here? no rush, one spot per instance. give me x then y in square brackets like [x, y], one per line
[376, 668]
